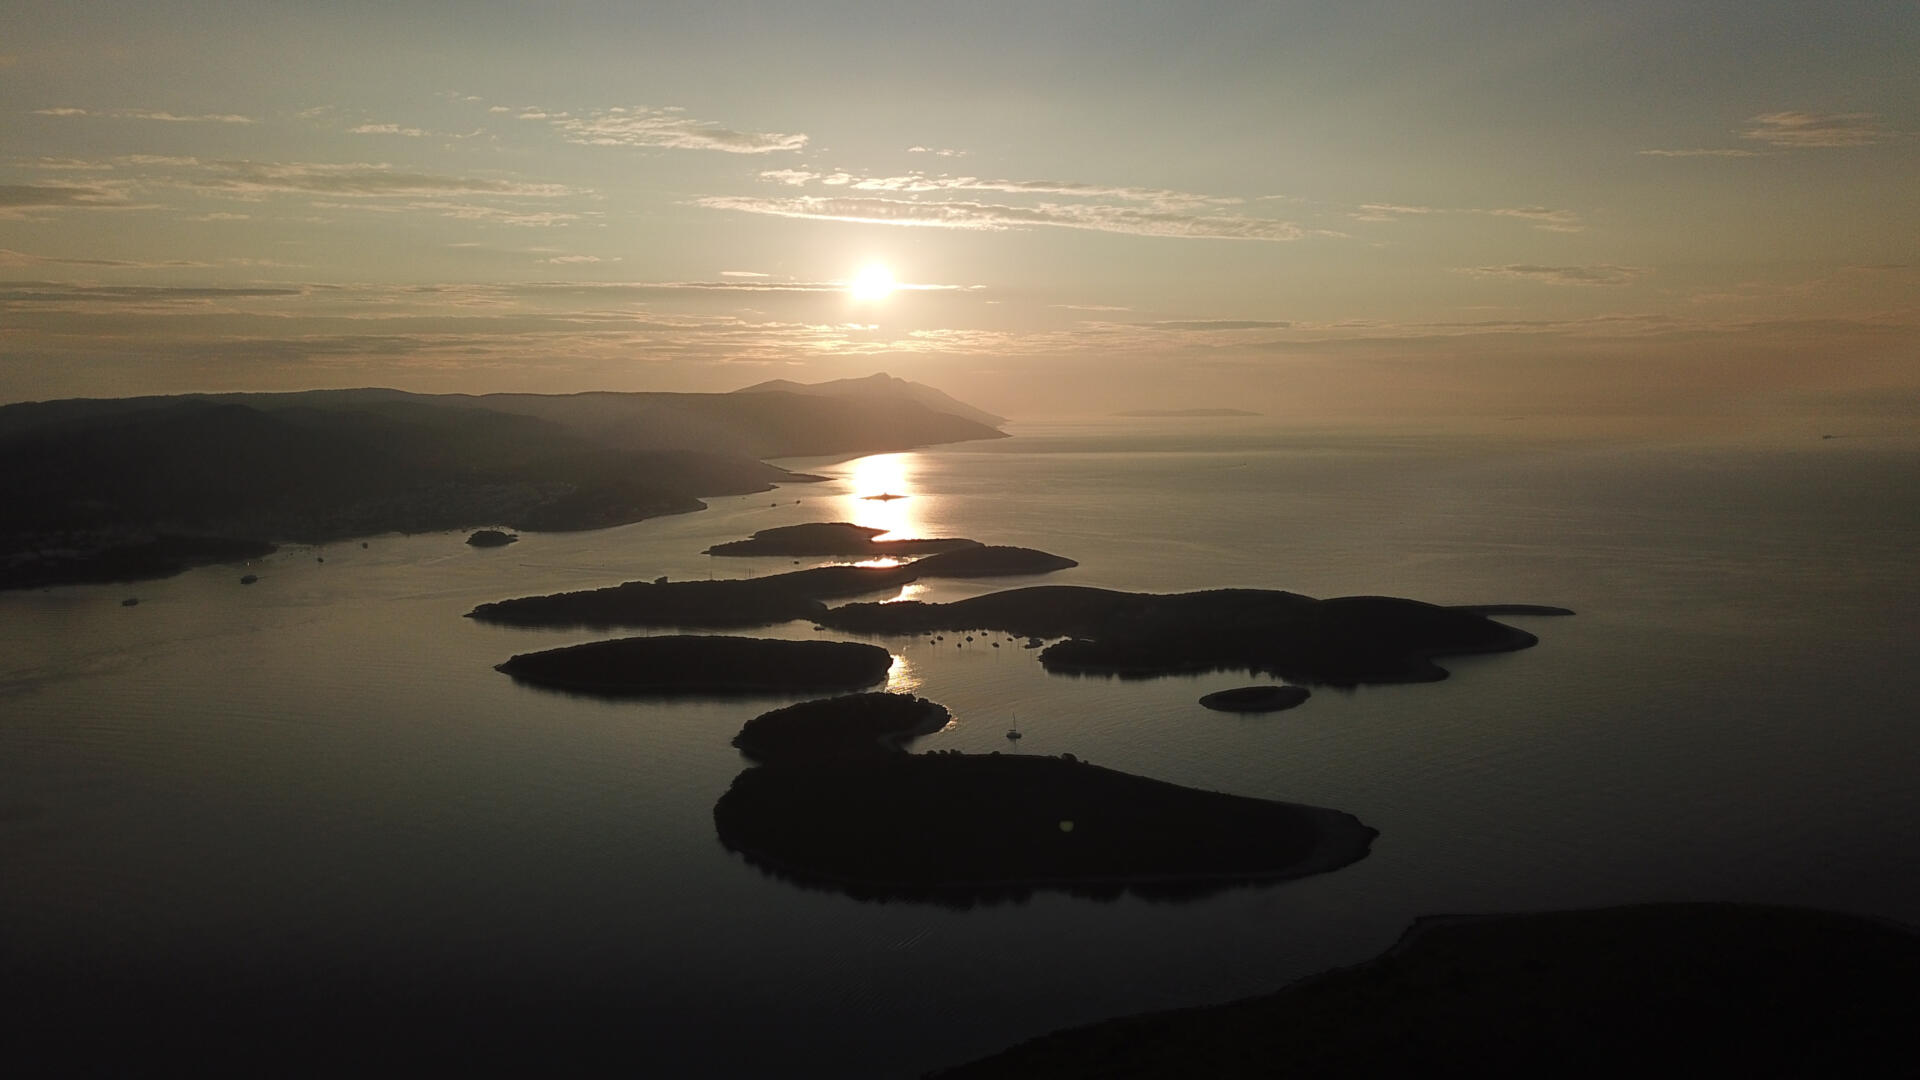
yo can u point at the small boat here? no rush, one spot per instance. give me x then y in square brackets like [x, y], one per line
[249, 579]
[1013, 733]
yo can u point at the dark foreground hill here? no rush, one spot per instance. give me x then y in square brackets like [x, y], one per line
[1656, 990]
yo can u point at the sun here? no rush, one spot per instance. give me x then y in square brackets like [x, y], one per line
[873, 282]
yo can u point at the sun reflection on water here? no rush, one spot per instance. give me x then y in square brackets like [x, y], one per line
[901, 677]
[884, 475]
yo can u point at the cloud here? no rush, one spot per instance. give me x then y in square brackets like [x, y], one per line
[150, 114]
[352, 180]
[1540, 217]
[669, 128]
[743, 274]
[920, 183]
[936, 151]
[386, 129]
[1796, 130]
[562, 260]
[18, 201]
[21, 258]
[1215, 324]
[1603, 274]
[1726, 153]
[1131, 220]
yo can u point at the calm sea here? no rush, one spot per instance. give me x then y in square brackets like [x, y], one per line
[321, 772]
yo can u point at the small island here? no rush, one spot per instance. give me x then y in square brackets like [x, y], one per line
[1666, 989]
[1255, 699]
[696, 664]
[856, 725]
[834, 538]
[991, 560]
[966, 828]
[489, 538]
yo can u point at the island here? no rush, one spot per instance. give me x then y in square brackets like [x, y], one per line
[1255, 699]
[969, 828]
[991, 560]
[763, 601]
[94, 560]
[487, 538]
[834, 538]
[1659, 989]
[1342, 641]
[696, 664]
[855, 725]
[725, 603]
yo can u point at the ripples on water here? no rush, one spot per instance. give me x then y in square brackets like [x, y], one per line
[321, 770]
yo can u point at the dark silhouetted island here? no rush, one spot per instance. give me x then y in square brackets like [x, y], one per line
[1256, 699]
[855, 725]
[991, 560]
[492, 538]
[834, 538]
[966, 828]
[694, 664]
[726, 603]
[1344, 641]
[1661, 989]
[137, 560]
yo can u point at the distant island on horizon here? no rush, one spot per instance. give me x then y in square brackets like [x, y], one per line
[124, 489]
[1146, 414]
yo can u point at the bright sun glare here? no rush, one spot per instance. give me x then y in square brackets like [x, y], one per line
[873, 282]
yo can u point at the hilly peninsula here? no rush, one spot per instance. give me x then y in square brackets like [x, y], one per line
[118, 489]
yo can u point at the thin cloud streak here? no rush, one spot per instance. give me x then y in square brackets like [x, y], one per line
[148, 114]
[668, 128]
[918, 183]
[996, 217]
[1795, 130]
[1603, 274]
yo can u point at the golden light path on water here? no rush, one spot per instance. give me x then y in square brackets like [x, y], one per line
[884, 475]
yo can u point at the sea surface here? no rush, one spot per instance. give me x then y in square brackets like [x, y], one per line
[322, 773]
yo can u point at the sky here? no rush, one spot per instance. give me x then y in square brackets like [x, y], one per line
[1448, 209]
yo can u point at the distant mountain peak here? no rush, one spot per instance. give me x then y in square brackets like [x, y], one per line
[879, 384]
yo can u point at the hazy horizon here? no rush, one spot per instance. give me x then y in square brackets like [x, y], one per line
[1303, 210]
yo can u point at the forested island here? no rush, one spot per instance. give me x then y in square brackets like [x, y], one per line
[835, 538]
[967, 828]
[854, 725]
[727, 602]
[1659, 989]
[120, 489]
[698, 664]
[761, 601]
[1343, 641]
